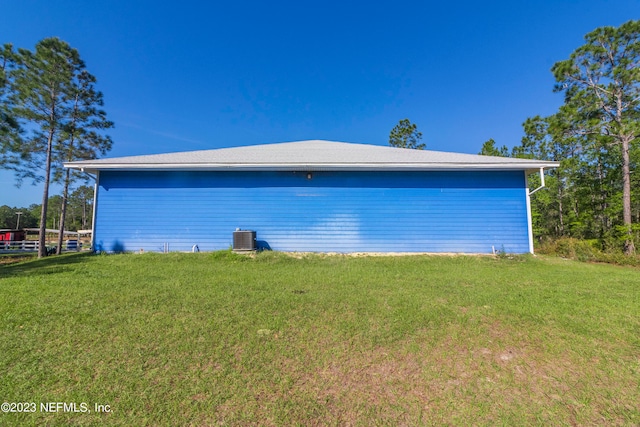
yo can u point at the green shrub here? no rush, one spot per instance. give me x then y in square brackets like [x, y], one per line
[586, 251]
[581, 250]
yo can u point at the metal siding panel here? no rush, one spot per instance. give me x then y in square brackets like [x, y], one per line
[469, 212]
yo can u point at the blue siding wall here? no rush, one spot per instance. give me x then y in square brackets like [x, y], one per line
[334, 211]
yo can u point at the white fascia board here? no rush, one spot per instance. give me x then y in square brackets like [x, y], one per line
[529, 167]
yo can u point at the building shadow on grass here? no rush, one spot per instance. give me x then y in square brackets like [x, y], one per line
[43, 266]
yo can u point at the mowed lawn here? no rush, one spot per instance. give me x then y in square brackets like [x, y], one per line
[225, 339]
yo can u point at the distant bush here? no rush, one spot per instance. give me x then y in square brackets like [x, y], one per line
[586, 251]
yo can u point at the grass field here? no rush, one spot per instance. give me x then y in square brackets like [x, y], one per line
[224, 339]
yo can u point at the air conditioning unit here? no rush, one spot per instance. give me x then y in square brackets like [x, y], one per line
[244, 240]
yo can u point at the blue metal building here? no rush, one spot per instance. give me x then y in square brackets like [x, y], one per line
[317, 196]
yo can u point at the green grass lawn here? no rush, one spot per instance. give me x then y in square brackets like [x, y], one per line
[224, 339]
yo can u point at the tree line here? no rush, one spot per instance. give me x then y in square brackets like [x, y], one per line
[79, 212]
[50, 113]
[595, 193]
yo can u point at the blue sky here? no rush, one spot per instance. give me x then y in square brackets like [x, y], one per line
[191, 75]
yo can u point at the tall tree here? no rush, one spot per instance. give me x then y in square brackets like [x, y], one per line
[601, 84]
[405, 135]
[45, 84]
[9, 126]
[80, 138]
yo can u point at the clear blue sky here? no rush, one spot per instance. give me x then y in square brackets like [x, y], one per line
[192, 75]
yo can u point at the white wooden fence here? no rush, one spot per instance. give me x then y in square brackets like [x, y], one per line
[25, 245]
[32, 246]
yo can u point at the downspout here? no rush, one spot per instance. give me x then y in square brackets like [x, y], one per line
[529, 215]
[94, 214]
[541, 182]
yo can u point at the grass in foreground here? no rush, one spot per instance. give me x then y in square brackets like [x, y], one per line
[223, 339]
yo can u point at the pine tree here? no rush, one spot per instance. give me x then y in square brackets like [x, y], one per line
[405, 135]
[53, 96]
[601, 84]
[9, 126]
[79, 139]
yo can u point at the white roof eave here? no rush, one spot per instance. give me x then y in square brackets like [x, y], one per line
[249, 167]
